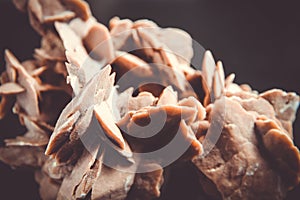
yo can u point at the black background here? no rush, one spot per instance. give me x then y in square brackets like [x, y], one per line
[259, 41]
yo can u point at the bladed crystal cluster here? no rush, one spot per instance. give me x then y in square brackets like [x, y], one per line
[97, 101]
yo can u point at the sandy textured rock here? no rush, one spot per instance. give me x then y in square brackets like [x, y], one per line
[237, 164]
[22, 156]
[115, 189]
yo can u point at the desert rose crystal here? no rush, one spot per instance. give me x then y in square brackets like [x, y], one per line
[110, 111]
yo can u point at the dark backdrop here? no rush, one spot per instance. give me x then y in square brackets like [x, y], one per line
[259, 41]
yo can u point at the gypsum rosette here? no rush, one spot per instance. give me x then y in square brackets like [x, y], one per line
[255, 145]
